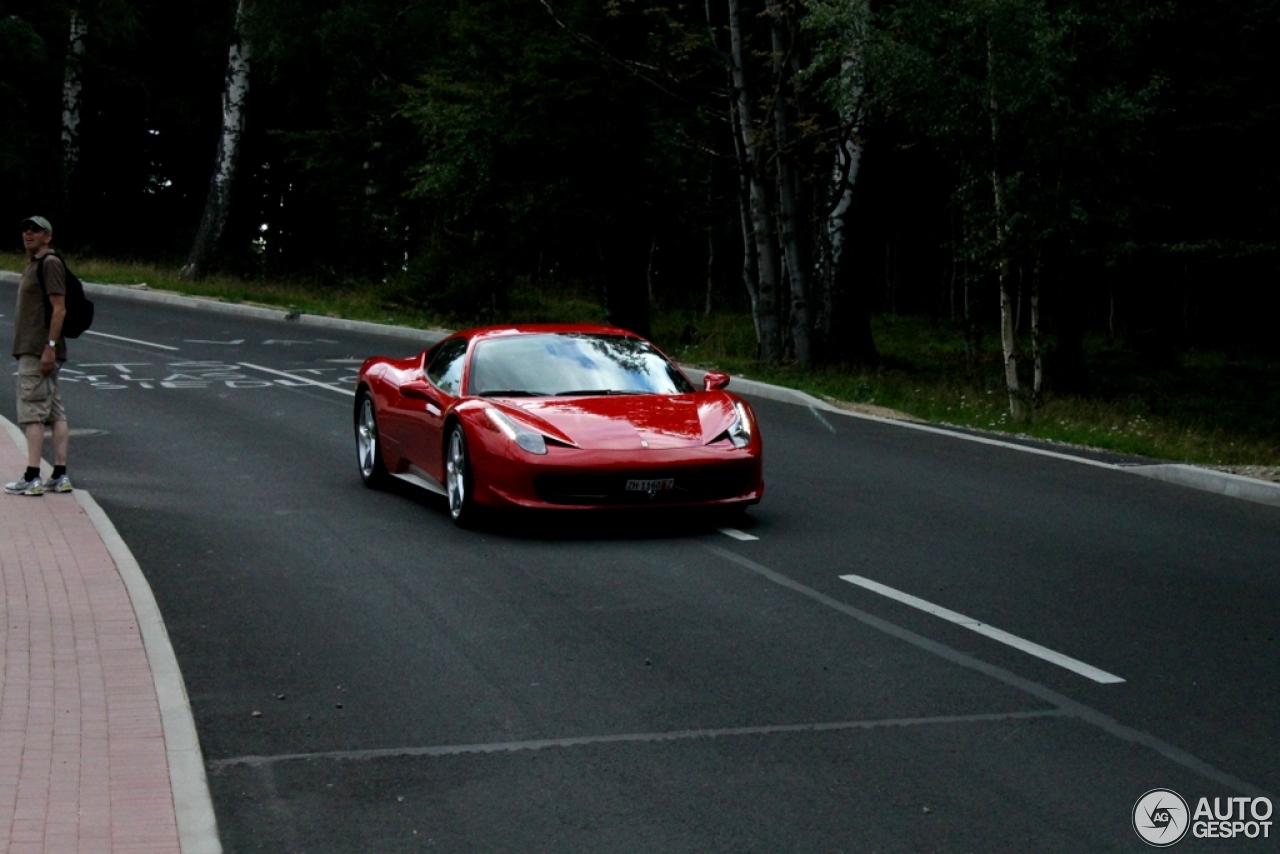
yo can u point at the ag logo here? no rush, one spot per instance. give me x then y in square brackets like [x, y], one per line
[1160, 817]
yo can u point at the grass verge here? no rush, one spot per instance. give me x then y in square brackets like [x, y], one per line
[351, 302]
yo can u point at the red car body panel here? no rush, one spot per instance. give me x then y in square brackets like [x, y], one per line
[594, 442]
[622, 423]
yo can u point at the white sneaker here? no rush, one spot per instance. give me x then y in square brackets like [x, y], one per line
[59, 484]
[35, 486]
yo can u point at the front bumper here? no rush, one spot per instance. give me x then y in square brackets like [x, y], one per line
[574, 479]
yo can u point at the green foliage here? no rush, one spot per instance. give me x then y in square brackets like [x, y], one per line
[1022, 92]
[539, 151]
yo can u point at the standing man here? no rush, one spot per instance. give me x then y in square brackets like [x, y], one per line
[40, 350]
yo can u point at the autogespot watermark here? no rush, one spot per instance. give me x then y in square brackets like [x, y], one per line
[1161, 818]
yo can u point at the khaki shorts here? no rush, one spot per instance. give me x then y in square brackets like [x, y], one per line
[39, 400]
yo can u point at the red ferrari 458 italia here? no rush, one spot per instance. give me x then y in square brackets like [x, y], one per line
[555, 416]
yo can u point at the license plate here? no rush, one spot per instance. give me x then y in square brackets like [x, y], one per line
[651, 485]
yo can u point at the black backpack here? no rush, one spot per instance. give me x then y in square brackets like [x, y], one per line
[79, 307]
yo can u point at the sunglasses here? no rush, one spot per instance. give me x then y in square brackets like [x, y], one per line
[33, 228]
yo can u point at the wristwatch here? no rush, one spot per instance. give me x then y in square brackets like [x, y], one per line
[53, 344]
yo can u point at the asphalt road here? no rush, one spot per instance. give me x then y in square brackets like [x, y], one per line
[651, 683]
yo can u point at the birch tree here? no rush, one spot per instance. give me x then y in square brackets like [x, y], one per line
[766, 116]
[71, 87]
[751, 155]
[1008, 340]
[840, 31]
[783, 37]
[987, 82]
[218, 202]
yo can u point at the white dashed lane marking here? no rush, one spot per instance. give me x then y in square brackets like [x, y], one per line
[1086, 670]
[131, 340]
[347, 392]
[825, 422]
[737, 535]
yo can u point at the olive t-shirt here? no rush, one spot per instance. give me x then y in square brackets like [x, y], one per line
[30, 330]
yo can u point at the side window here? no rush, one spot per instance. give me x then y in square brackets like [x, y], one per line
[445, 369]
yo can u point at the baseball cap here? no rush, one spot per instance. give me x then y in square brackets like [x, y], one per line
[38, 221]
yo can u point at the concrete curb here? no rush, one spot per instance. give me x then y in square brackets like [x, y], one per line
[192, 802]
[1221, 483]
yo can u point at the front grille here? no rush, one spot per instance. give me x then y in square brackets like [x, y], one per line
[690, 486]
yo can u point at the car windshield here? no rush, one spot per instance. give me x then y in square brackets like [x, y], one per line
[546, 365]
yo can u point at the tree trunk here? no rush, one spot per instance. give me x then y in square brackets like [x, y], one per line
[830, 248]
[766, 307]
[72, 84]
[844, 302]
[1019, 297]
[851, 340]
[1037, 353]
[750, 269]
[1007, 332]
[848, 160]
[218, 203]
[711, 264]
[750, 279]
[648, 272]
[1007, 340]
[955, 266]
[797, 275]
[1067, 368]
[970, 306]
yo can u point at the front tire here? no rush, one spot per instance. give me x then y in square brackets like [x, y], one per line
[458, 479]
[368, 445]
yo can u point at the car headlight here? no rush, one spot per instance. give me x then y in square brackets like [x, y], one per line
[529, 440]
[739, 431]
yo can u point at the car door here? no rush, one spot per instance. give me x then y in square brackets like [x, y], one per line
[432, 395]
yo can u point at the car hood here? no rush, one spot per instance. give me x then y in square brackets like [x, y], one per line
[627, 422]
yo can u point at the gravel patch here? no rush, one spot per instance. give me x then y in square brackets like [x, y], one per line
[1269, 473]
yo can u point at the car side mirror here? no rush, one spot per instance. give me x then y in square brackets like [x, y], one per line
[419, 390]
[714, 381]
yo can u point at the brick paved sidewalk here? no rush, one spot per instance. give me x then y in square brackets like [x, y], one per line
[83, 764]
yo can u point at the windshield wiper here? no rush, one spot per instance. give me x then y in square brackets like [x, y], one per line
[511, 392]
[586, 392]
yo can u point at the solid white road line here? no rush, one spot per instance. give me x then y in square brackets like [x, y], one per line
[825, 422]
[640, 737]
[347, 392]
[130, 340]
[1086, 670]
[737, 535]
